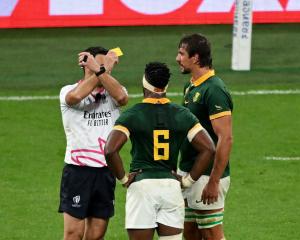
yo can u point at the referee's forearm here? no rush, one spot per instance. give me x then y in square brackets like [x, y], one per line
[114, 88]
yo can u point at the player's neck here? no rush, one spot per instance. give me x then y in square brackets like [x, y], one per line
[199, 72]
[149, 94]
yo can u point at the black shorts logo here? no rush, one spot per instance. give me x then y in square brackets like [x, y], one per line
[76, 201]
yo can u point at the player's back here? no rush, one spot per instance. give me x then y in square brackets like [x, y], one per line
[156, 132]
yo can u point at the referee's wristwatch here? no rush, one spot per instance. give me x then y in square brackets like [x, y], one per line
[101, 71]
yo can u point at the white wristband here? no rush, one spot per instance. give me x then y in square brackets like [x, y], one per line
[187, 181]
[124, 179]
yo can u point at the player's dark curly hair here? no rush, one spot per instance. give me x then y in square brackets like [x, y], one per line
[198, 44]
[96, 50]
[157, 74]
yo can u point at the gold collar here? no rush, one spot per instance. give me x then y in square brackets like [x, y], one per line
[203, 78]
[156, 100]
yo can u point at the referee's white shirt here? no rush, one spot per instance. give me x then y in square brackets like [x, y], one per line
[87, 126]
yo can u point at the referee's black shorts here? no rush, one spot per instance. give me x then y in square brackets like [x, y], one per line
[87, 192]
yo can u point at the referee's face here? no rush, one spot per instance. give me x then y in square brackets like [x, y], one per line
[184, 61]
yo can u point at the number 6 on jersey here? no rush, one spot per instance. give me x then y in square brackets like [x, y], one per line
[158, 145]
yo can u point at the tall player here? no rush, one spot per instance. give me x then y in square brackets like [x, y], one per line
[207, 97]
[157, 129]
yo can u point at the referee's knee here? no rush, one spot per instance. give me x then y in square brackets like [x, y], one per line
[73, 234]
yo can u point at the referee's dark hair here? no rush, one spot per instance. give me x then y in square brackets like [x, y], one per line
[198, 44]
[96, 50]
[157, 74]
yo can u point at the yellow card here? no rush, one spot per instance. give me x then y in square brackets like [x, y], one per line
[118, 51]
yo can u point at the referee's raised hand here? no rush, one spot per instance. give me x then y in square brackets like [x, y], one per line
[110, 60]
[86, 59]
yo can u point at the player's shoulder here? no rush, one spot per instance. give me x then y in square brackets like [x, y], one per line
[178, 108]
[129, 115]
[183, 115]
[215, 86]
[134, 109]
[215, 82]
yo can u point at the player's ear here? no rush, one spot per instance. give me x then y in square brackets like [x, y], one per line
[196, 58]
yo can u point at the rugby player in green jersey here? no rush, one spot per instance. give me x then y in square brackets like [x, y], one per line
[157, 129]
[208, 99]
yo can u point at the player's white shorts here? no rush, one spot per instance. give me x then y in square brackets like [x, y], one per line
[152, 201]
[193, 194]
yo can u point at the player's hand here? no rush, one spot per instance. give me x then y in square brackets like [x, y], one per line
[210, 192]
[131, 178]
[86, 59]
[110, 60]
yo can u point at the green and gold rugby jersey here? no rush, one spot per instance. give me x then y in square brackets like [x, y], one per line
[157, 129]
[207, 98]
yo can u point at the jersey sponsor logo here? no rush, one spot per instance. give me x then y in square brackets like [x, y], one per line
[76, 201]
[196, 97]
[198, 201]
[97, 118]
[98, 122]
[95, 115]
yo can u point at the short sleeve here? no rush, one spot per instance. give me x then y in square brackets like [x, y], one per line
[123, 123]
[218, 102]
[63, 92]
[193, 125]
[90, 99]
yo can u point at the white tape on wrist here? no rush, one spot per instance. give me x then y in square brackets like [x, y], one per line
[124, 179]
[187, 181]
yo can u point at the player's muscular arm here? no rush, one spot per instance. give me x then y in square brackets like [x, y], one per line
[115, 142]
[203, 143]
[223, 129]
